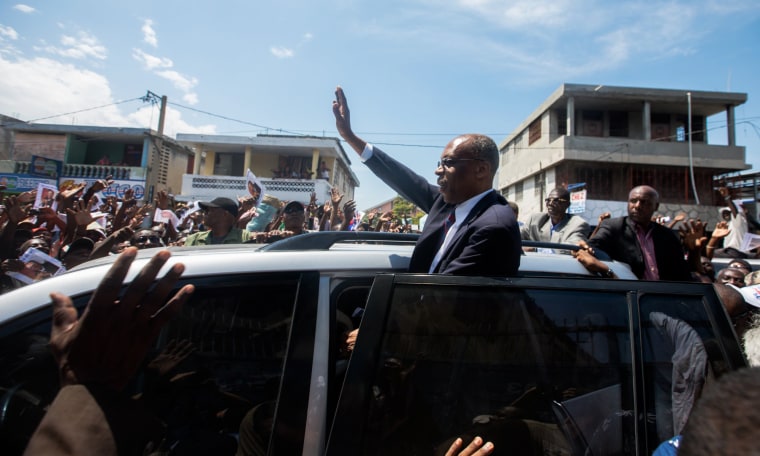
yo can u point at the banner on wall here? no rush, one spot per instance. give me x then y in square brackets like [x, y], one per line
[18, 183]
[116, 189]
[45, 167]
[577, 198]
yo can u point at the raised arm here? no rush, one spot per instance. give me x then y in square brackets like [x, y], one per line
[343, 121]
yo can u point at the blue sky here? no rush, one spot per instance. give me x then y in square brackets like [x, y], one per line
[416, 72]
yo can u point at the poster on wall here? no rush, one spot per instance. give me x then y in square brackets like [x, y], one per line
[45, 167]
[577, 198]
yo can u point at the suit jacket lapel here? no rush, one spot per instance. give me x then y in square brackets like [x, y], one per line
[484, 203]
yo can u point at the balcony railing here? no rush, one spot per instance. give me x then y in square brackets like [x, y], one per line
[196, 186]
[89, 171]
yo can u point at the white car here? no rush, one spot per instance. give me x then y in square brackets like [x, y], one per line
[551, 356]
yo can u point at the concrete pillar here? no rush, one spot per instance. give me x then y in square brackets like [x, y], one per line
[571, 116]
[208, 168]
[247, 159]
[314, 163]
[198, 158]
[646, 121]
[731, 124]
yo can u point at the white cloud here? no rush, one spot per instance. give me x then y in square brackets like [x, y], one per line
[147, 117]
[8, 32]
[178, 80]
[151, 62]
[190, 98]
[42, 87]
[308, 36]
[81, 46]
[149, 34]
[24, 8]
[281, 52]
[160, 67]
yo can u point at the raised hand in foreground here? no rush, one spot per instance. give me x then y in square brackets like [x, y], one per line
[107, 344]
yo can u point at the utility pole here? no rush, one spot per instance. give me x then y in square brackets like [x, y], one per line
[155, 151]
[153, 98]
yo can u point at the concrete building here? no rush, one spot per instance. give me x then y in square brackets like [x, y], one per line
[136, 158]
[288, 166]
[609, 139]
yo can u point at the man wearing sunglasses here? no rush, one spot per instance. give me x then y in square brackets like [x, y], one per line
[470, 229]
[556, 225]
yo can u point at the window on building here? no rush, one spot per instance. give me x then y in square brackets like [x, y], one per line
[697, 127]
[561, 115]
[660, 127]
[593, 124]
[518, 191]
[534, 131]
[619, 124]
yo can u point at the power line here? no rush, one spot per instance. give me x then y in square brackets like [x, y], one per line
[231, 119]
[83, 110]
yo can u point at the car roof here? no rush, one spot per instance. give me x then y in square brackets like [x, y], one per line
[329, 252]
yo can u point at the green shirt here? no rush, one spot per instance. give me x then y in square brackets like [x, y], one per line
[235, 236]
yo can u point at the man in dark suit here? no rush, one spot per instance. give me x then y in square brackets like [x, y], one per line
[652, 251]
[470, 229]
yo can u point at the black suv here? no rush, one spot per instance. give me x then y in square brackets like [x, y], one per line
[553, 361]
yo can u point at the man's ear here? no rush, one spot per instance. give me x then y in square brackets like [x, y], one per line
[483, 170]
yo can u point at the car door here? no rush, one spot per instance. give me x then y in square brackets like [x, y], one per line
[537, 366]
[215, 376]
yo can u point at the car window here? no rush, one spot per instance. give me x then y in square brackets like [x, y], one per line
[681, 353]
[215, 371]
[532, 370]
[563, 367]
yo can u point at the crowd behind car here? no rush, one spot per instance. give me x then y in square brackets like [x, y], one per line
[42, 238]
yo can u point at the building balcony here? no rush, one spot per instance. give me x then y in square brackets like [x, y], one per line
[80, 171]
[200, 187]
[522, 162]
[665, 153]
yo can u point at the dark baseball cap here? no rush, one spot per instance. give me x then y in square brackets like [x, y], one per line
[223, 203]
[293, 206]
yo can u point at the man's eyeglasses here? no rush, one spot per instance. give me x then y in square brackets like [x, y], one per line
[293, 210]
[556, 200]
[450, 162]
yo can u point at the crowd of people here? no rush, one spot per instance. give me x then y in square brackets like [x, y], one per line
[471, 230]
[39, 239]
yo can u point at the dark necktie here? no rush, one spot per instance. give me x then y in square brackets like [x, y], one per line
[448, 222]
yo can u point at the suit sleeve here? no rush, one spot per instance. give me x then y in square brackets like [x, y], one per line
[403, 180]
[577, 232]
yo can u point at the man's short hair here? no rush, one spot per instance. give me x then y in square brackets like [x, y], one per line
[724, 418]
[561, 192]
[484, 148]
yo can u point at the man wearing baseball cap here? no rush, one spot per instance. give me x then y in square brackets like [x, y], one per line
[221, 215]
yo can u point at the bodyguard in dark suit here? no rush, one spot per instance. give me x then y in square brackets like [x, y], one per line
[621, 239]
[481, 236]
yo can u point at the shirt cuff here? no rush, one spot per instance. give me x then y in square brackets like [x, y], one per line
[366, 153]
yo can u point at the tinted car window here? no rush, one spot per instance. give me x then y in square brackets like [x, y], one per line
[535, 371]
[215, 371]
[681, 352]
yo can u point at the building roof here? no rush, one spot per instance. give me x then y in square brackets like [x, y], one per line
[596, 96]
[295, 145]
